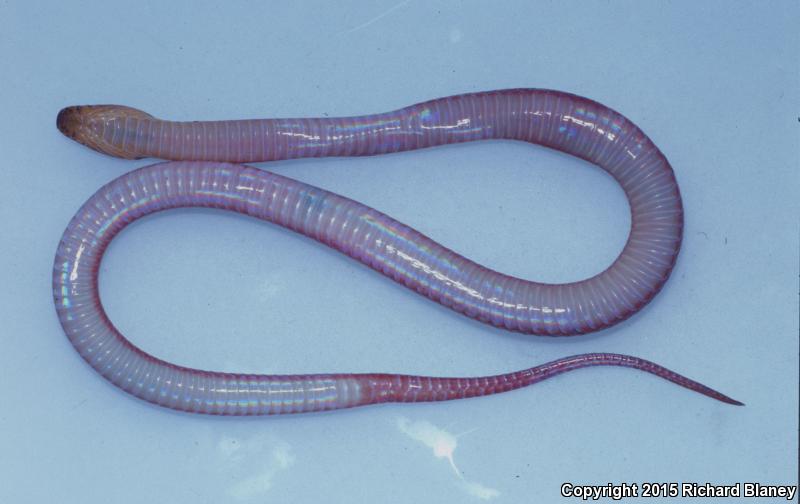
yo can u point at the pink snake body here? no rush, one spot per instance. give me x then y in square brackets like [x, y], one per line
[202, 175]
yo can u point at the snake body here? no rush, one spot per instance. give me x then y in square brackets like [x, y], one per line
[202, 175]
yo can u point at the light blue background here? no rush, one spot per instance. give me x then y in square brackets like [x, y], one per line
[715, 84]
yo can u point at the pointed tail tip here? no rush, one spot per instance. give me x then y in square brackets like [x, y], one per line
[727, 400]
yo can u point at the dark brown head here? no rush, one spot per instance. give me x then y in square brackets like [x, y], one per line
[93, 126]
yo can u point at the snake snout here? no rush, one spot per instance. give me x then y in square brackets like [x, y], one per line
[68, 120]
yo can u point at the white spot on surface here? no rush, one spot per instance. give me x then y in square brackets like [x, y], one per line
[480, 491]
[444, 444]
[455, 36]
[260, 458]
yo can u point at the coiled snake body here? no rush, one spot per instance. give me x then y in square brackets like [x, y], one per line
[202, 175]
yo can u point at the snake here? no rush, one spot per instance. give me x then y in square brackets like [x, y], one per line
[202, 167]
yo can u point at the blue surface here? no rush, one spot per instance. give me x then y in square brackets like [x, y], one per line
[716, 87]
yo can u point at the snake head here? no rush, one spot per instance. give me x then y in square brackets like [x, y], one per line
[104, 128]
